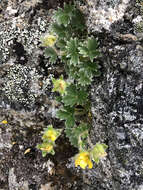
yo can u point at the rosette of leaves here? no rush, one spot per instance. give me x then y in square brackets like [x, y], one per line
[69, 22]
[71, 18]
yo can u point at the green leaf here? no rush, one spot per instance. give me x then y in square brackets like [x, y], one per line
[44, 153]
[72, 71]
[67, 113]
[61, 44]
[90, 49]
[60, 30]
[92, 44]
[93, 48]
[50, 52]
[72, 51]
[78, 131]
[62, 114]
[78, 20]
[75, 96]
[90, 66]
[68, 9]
[70, 100]
[87, 70]
[85, 78]
[59, 99]
[64, 19]
[84, 51]
[63, 16]
[70, 121]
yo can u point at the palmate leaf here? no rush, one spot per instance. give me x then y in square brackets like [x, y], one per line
[68, 9]
[85, 78]
[89, 66]
[60, 30]
[50, 52]
[78, 20]
[67, 114]
[86, 72]
[63, 16]
[73, 72]
[75, 96]
[78, 131]
[90, 49]
[61, 44]
[72, 50]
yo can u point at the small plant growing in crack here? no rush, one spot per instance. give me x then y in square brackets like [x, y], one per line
[70, 43]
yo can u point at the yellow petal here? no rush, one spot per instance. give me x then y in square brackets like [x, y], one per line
[83, 160]
[90, 164]
[51, 134]
[49, 40]
[4, 122]
[47, 148]
[27, 150]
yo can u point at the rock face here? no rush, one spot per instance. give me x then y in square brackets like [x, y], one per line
[27, 103]
[117, 108]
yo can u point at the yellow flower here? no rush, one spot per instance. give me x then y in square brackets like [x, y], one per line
[47, 147]
[4, 122]
[50, 134]
[83, 160]
[48, 40]
[59, 85]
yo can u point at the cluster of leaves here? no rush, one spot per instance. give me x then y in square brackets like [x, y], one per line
[77, 52]
[70, 43]
[72, 47]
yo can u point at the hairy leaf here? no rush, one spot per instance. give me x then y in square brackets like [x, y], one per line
[77, 132]
[85, 77]
[60, 30]
[74, 96]
[61, 44]
[63, 16]
[67, 114]
[78, 20]
[90, 49]
[72, 51]
[50, 52]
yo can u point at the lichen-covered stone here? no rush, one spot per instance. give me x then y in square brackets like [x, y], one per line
[117, 109]
[102, 14]
[21, 85]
